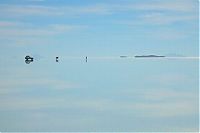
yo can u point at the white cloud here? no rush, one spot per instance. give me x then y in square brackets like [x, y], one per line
[163, 18]
[38, 10]
[98, 9]
[167, 95]
[176, 107]
[19, 85]
[170, 5]
[159, 19]
[172, 109]
[10, 29]
[161, 12]
[162, 102]
[27, 10]
[25, 32]
[9, 24]
[65, 27]
[156, 12]
[175, 6]
[171, 78]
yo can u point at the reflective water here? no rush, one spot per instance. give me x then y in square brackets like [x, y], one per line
[104, 94]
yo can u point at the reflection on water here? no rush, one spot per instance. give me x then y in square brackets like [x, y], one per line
[104, 94]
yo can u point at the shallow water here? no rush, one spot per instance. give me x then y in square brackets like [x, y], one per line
[102, 94]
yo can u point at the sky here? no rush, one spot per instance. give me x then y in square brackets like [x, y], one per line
[106, 93]
[100, 27]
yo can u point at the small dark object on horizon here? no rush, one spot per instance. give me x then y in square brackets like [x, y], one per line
[57, 59]
[28, 59]
[148, 56]
[123, 56]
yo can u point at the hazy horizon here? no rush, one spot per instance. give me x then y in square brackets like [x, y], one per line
[103, 92]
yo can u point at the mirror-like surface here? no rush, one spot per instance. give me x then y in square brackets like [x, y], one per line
[100, 95]
[99, 65]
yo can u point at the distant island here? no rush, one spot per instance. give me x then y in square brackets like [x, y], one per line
[123, 56]
[149, 56]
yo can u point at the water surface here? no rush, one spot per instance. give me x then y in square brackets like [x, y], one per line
[104, 94]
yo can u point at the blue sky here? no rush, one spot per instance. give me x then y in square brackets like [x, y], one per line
[100, 27]
[105, 94]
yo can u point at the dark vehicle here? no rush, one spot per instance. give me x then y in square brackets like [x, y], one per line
[28, 59]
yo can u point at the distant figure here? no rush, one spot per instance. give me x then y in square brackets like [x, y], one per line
[28, 59]
[56, 59]
[86, 58]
